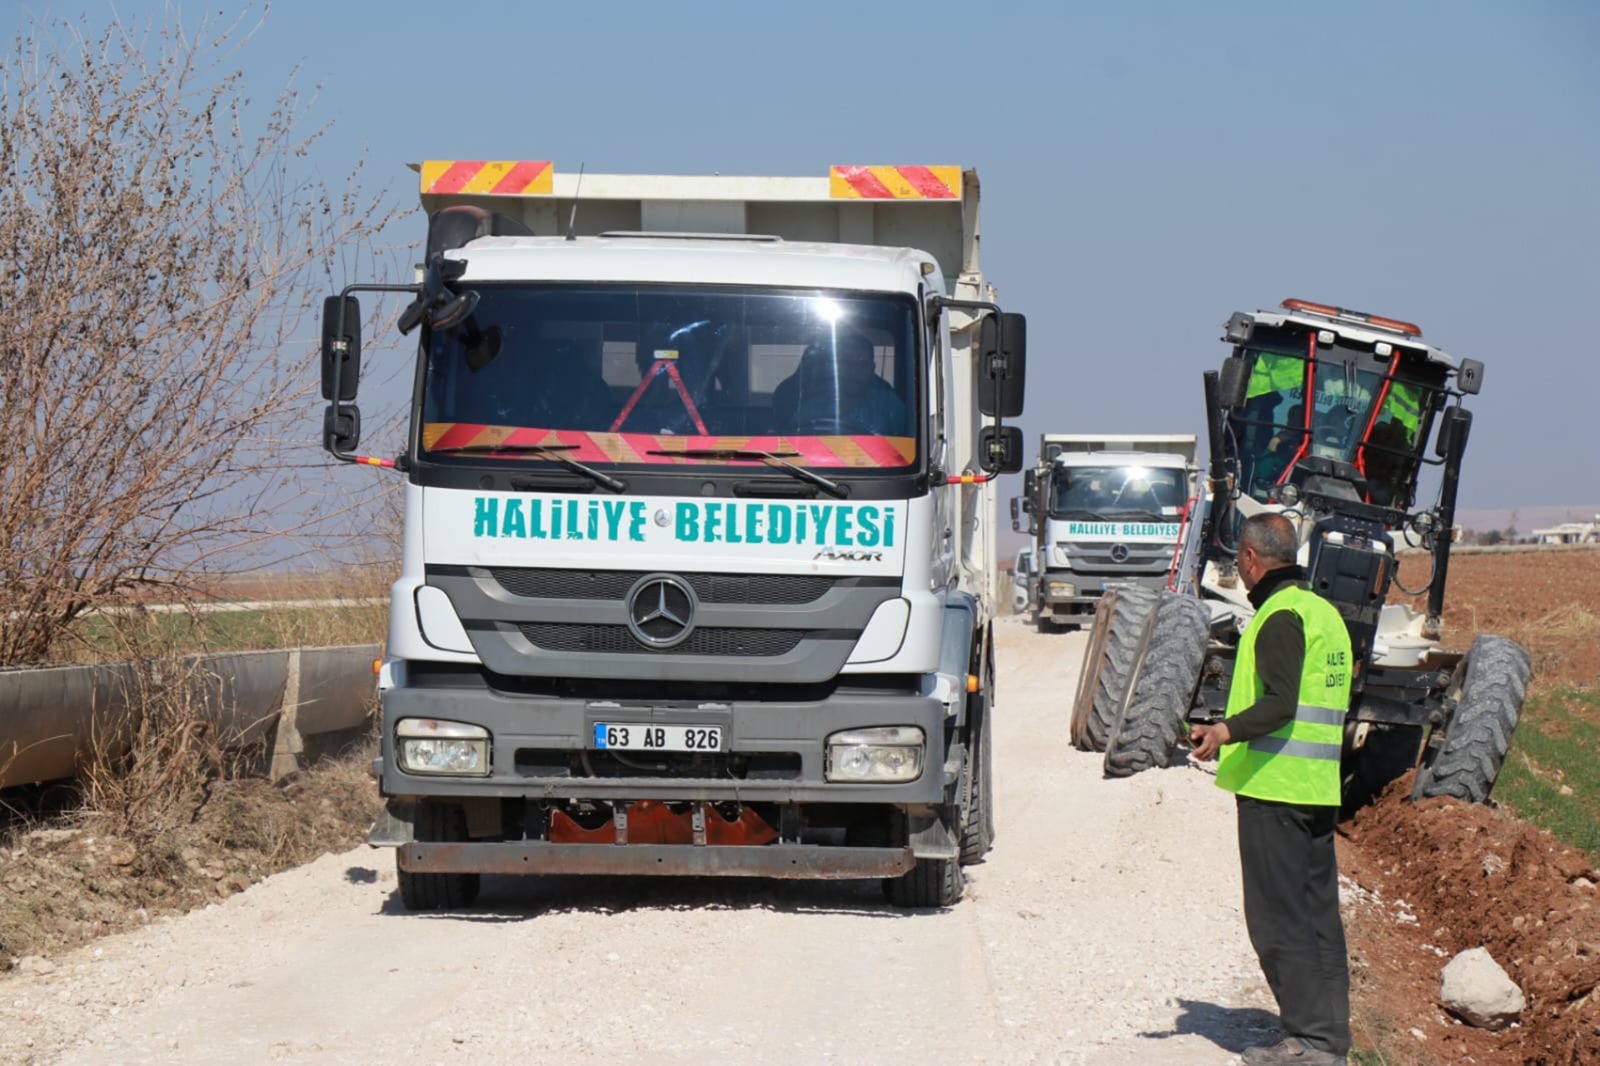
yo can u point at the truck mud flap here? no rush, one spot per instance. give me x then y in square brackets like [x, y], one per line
[680, 860]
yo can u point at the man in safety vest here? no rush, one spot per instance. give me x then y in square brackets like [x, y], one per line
[1280, 743]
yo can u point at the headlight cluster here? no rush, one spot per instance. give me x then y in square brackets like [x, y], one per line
[1063, 588]
[435, 746]
[883, 755]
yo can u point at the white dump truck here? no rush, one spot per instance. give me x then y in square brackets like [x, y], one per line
[699, 564]
[1103, 510]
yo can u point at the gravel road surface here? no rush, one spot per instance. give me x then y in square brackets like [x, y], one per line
[1104, 928]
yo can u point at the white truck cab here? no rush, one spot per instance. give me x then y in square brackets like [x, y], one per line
[699, 560]
[1104, 510]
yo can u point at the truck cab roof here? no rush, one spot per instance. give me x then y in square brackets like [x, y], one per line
[699, 259]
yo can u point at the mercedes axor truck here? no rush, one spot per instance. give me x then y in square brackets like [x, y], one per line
[1104, 510]
[699, 565]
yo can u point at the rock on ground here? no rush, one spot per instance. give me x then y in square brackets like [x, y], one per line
[1474, 986]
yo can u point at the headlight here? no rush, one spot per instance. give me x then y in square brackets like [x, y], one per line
[1063, 588]
[884, 755]
[1288, 495]
[433, 746]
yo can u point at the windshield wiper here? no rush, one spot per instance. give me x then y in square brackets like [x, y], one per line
[548, 451]
[1083, 512]
[779, 460]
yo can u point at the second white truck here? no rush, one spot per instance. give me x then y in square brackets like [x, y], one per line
[1103, 510]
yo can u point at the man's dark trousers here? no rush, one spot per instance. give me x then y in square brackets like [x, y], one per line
[1291, 908]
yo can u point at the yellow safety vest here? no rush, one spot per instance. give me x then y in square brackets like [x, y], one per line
[1276, 373]
[1299, 762]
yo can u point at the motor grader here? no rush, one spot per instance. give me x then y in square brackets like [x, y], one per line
[1324, 415]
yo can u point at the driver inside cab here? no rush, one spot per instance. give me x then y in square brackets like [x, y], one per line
[837, 390]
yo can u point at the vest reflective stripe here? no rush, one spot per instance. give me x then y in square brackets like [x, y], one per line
[1299, 762]
[1305, 712]
[1304, 749]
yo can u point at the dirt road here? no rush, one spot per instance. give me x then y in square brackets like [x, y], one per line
[1104, 928]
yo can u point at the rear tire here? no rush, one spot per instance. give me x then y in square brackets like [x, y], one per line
[437, 823]
[1164, 678]
[1494, 681]
[1121, 618]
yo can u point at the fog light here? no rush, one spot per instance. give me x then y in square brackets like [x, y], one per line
[434, 746]
[1063, 588]
[884, 755]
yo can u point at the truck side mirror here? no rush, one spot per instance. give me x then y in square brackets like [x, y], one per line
[1233, 384]
[1030, 489]
[1453, 425]
[341, 347]
[1469, 376]
[1000, 449]
[341, 428]
[1002, 364]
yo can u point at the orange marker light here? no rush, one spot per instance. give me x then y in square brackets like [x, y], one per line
[972, 682]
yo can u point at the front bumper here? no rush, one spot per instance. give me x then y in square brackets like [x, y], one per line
[773, 860]
[1089, 588]
[532, 737]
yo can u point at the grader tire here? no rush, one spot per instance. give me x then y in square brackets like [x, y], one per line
[1494, 681]
[1164, 679]
[1119, 628]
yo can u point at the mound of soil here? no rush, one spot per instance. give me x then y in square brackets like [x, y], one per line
[1473, 876]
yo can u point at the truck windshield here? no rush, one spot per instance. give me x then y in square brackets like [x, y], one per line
[1361, 414]
[629, 374]
[1097, 493]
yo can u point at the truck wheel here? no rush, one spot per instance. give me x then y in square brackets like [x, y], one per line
[977, 826]
[1119, 624]
[437, 823]
[1164, 679]
[930, 883]
[1493, 682]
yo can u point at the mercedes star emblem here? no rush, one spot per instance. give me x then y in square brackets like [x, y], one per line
[661, 611]
[1119, 553]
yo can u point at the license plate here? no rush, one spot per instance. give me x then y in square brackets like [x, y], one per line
[635, 736]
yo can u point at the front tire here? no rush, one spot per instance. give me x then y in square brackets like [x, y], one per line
[437, 822]
[1153, 715]
[930, 883]
[1493, 684]
[977, 826]
[1108, 661]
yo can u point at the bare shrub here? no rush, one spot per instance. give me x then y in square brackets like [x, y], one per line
[161, 248]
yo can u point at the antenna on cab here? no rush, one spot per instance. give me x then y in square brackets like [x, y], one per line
[572, 220]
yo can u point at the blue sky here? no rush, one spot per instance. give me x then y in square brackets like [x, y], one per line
[1147, 168]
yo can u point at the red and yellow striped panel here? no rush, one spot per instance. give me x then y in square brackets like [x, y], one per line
[858, 450]
[894, 183]
[502, 177]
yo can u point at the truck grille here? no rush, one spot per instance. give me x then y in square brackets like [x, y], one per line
[561, 636]
[544, 583]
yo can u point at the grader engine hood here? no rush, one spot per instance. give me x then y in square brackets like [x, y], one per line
[661, 588]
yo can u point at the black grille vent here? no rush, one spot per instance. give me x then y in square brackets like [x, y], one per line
[614, 585]
[562, 636]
